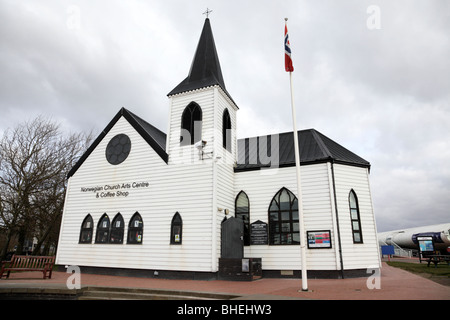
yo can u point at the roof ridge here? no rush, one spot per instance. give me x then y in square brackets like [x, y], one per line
[315, 147]
[321, 144]
[145, 121]
[137, 123]
[279, 133]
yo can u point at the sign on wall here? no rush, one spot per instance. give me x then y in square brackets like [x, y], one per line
[320, 239]
[258, 233]
[115, 190]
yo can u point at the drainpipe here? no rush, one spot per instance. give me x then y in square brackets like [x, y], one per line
[337, 219]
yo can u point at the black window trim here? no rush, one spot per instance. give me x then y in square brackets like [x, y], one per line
[103, 229]
[279, 221]
[84, 229]
[246, 223]
[188, 121]
[119, 230]
[226, 130]
[177, 221]
[135, 229]
[352, 220]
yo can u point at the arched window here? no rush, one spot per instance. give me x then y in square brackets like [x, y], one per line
[176, 229]
[242, 211]
[191, 124]
[135, 229]
[116, 234]
[102, 235]
[87, 228]
[226, 130]
[283, 218]
[355, 218]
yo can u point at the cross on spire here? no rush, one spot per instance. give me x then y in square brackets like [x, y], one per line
[207, 12]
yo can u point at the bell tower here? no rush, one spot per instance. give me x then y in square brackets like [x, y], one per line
[201, 141]
[201, 109]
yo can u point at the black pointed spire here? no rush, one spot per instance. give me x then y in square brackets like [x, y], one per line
[205, 69]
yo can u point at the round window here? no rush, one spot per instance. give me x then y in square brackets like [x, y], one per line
[118, 149]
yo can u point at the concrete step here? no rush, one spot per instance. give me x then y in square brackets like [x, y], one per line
[108, 295]
[113, 293]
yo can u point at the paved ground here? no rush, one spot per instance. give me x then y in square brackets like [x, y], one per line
[394, 284]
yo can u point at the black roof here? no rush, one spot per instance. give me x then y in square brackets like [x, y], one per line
[205, 69]
[154, 137]
[314, 148]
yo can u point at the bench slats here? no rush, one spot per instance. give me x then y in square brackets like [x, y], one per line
[29, 263]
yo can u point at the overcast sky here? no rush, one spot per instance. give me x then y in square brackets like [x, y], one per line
[372, 75]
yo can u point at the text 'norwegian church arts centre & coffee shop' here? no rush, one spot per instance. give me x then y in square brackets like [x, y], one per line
[196, 202]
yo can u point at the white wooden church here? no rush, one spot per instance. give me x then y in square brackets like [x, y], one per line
[144, 202]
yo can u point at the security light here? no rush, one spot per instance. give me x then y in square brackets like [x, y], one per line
[200, 144]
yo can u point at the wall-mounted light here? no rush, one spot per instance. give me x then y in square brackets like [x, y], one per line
[226, 211]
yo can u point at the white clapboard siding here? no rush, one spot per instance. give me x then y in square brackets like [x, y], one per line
[359, 255]
[224, 164]
[185, 188]
[189, 154]
[197, 188]
[193, 187]
[261, 186]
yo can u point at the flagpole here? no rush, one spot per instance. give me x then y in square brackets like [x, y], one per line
[299, 191]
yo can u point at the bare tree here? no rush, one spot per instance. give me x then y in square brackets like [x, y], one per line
[35, 158]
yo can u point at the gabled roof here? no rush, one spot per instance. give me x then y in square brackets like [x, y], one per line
[205, 69]
[314, 148]
[153, 136]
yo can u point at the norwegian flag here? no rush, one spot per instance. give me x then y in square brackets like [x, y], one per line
[287, 51]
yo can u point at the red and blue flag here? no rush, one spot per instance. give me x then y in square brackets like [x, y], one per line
[287, 51]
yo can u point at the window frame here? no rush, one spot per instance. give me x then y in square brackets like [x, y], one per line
[243, 213]
[226, 130]
[276, 225]
[355, 210]
[191, 114]
[105, 230]
[116, 231]
[177, 222]
[88, 230]
[139, 229]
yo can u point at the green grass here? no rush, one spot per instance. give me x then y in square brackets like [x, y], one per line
[442, 269]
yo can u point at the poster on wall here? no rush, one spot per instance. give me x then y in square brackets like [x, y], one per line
[320, 239]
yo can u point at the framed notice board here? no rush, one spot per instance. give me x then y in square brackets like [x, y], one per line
[320, 239]
[258, 233]
[426, 244]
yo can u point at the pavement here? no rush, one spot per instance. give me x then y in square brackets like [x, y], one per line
[393, 284]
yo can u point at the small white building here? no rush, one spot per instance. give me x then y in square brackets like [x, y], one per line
[140, 200]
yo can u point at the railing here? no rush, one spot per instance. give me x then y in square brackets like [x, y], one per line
[401, 252]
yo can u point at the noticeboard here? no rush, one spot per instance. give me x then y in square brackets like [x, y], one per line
[258, 233]
[425, 244]
[320, 239]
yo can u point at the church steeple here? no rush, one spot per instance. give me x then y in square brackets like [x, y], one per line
[205, 69]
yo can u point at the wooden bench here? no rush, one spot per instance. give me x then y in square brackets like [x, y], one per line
[28, 263]
[437, 258]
